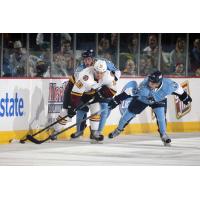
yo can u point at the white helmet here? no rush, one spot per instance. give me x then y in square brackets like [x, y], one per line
[100, 66]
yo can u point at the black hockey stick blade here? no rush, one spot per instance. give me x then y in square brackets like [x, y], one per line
[34, 140]
[23, 141]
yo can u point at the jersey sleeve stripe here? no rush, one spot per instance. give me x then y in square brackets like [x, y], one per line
[77, 94]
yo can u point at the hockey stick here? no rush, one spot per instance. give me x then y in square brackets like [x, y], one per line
[34, 140]
[47, 127]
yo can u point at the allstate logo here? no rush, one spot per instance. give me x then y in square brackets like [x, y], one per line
[124, 105]
[11, 106]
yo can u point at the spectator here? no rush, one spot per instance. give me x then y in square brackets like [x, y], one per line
[113, 42]
[197, 72]
[105, 50]
[7, 72]
[143, 65]
[133, 45]
[63, 60]
[41, 68]
[39, 52]
[18, 60]
[107, 54]
[130, 68]
[42, 50]
[152, 49]
[104, 45]
[32, 62]
[195, 55]
[178, 55]
[38, 67]
[151, 54]
[66, 47]
[149, 66]
[40, 39]
[113, 47]
[129, 52]
[66, 36]
[123, 59]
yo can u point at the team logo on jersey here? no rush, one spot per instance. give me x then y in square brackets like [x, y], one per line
[85, 78]
[79, 84]
[180, 107]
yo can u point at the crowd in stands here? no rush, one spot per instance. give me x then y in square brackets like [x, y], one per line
[129, 54]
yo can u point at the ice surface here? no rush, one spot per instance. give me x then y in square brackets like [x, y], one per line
[124, 150]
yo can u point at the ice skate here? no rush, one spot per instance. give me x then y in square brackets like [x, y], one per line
[115, 133]
[96, 137]
[79, 133]
[166, 140]
[76, 134]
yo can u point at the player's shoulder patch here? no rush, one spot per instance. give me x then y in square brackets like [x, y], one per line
[79, 84]
[85, 77]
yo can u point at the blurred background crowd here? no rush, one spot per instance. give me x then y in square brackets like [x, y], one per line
[58, 54]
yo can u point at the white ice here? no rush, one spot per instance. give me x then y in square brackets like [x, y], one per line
[144, 149]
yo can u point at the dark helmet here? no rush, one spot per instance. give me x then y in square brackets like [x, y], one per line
[88, 53]
[155, 77]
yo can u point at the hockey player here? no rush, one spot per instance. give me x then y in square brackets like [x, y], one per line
[88, 61]
[82, 113]
[131, 89]
[92, 82]
[151, 92]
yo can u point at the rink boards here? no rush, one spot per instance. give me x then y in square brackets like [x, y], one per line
[31, 104]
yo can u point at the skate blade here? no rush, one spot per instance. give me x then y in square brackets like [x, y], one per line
[95, 142]
[77, 137]
[167, 144]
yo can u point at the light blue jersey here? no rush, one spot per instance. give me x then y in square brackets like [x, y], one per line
[150, 96]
